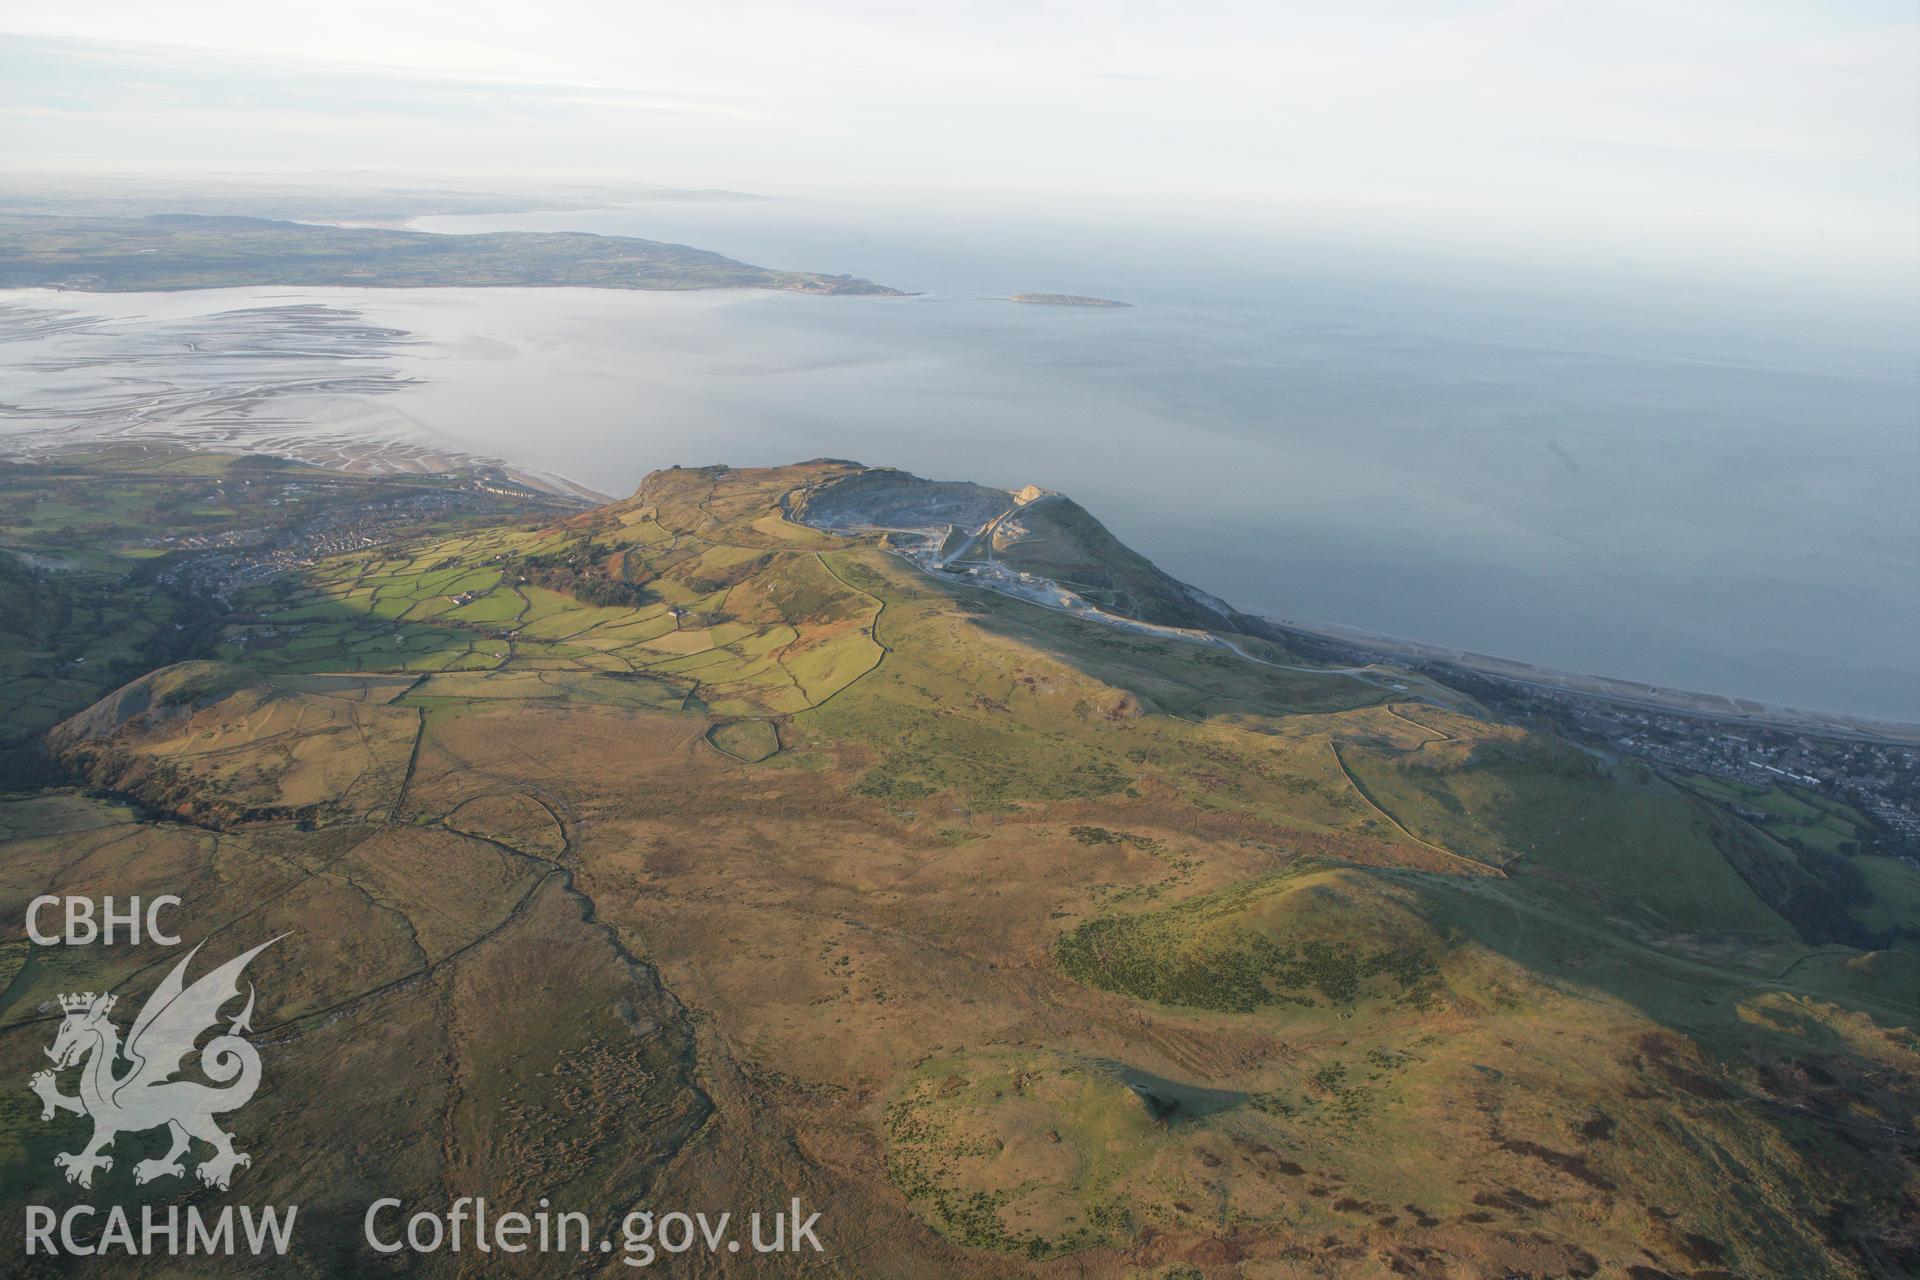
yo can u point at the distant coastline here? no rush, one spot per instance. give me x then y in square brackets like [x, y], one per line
[179, 251]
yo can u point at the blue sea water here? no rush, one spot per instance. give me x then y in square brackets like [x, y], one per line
[1711, 489]
[1708, 488]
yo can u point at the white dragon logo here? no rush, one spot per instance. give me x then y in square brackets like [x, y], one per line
[146, 1096]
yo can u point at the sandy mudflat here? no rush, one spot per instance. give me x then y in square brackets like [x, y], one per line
[301, 379]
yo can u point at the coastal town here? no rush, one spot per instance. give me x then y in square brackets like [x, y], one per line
[1879, 779]
[331, 517]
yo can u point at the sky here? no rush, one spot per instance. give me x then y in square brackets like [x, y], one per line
[1783, 136]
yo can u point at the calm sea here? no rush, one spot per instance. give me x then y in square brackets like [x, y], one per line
[1704, 492]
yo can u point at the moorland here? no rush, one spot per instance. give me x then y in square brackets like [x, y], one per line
[703, 848]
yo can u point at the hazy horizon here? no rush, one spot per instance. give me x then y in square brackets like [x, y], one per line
[1773, 142]
[1626, 292]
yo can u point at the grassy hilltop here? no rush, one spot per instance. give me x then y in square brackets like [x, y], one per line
[683, 852]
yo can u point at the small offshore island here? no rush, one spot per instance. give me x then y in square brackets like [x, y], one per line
[1066, 300]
